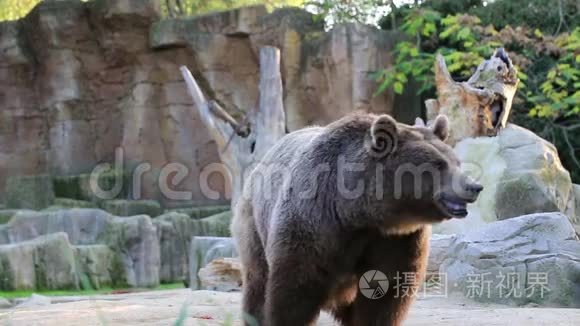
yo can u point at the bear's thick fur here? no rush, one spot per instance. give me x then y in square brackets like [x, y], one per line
[327, 204]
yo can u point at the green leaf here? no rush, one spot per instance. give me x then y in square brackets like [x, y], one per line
[401, 77]
[398, 87]
[382, 87]
[464, 33]
[414, 52]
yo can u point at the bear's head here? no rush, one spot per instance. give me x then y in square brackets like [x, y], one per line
[423, 181]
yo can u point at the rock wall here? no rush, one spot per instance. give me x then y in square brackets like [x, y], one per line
[78, 80]
[109, 250]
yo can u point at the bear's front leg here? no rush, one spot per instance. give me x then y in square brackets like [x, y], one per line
[403, 260]
[295, 293]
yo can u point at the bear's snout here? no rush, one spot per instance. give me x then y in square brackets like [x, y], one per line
[472, 191]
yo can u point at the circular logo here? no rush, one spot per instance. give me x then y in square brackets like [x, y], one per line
[373, 284]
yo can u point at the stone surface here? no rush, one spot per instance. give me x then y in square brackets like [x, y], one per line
[72, 203]
[438, 250]
[6, 215]
[216, 225]
[528, 259]
[574, 208]
[83, 226]
[221, 274]
[204, 250]
[79, 186]
[134, 251]
[5, 304]
[95, 263]
[133, 241]
[201, 211]
[35, 300]
[32, 192]
[45, 263]
[174, 231]
[103, 71]
[521, 174]
[121, 207]
[223, 308]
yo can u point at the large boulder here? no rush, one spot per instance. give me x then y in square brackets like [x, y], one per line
[521, 174]
[221, 274]
[7, 214]
[5, 304]
[83, 226]
[79, 186]
[216, 225]
[174, 231]
[574, 208]
[32, 192]
[135, 240]
[95, 264]
[132, 240]
[204, 250]
[200, 212]
[45, 263]
[62, 203]
[529, 259]
[438, 250]
[120, 207]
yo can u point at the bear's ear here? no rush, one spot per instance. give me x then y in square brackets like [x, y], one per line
[384, 136]
[441, 127]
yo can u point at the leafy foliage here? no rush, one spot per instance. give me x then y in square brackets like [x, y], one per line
[14, 9]
[338, 12]
[560, 92]
[196, 7]
[551, 16]
[548, 99]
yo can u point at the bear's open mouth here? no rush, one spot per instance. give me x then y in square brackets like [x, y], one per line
[452, 207]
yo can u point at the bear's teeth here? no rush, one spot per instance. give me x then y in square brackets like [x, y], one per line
[455, 206]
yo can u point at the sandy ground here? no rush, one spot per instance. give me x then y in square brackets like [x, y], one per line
[217, 308]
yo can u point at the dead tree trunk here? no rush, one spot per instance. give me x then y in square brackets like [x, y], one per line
[480, 106]
[243, 143]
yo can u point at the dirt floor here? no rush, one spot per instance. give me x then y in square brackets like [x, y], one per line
[218, 308]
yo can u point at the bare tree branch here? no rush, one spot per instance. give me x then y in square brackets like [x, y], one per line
[561, 14]
[241, 129]
[570, 148]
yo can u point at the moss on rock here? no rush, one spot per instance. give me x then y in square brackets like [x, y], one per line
[121, 207]
[79, 186]
[31, 192]
[201, 211]
[73, 203]
[216, 225]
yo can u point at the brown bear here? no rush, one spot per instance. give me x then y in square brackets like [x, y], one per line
[328, 204]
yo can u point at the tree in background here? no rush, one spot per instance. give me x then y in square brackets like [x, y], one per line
[345, 11]
[15, 9]
[541, 36]
[196, 7]
[543, 40]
